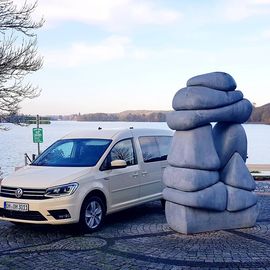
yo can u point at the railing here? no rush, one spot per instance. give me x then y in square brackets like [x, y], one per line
[27, 159]
[260, 171]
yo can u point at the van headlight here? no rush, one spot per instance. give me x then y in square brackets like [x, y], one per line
[63, 190]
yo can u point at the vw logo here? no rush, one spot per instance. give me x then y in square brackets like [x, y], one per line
[18, 192]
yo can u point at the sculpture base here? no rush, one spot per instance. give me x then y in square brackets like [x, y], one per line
[188, 220]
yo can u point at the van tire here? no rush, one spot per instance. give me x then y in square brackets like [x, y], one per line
[92, 214]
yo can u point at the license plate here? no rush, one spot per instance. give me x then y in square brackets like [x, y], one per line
[22, 207]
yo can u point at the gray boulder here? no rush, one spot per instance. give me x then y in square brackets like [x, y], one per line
[189, 179]
[212, 198]
[199, 97]
[239, 199]
[238, 112]
[228, 139]
[236, 174]
[217, 80]
[188, 220]
[188, 151]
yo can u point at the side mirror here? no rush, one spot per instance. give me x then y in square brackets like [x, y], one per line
[118, 164]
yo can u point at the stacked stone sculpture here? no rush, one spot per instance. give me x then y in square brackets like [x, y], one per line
[208, 186]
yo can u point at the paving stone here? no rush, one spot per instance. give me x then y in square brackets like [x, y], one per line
[138, 238]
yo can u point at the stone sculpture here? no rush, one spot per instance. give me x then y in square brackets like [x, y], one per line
[208, 186]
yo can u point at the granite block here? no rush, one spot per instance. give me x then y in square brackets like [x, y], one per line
[228, 139]
[188, 151]
[240, 199]
[238, 112]
[212, 198]
[189, 220]
[217, 80]
[200, 98]
[236, 174]
[189, 179]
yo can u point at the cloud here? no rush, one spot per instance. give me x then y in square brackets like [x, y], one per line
[266, 34]
[115, 48]
[235, 10]
[111, 14]
[261, 2]
[81, 53]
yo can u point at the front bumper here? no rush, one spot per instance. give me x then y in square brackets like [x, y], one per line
[39, 210]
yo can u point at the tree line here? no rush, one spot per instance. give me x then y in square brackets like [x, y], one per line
[129, 117]
[259, 115]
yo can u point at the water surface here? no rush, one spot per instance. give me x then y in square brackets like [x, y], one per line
[18, 140]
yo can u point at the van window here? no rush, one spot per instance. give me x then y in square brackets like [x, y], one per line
[122, 150]
[164, 144]
[73, 153]
[65, 149]
[155, 148]
[150, 149]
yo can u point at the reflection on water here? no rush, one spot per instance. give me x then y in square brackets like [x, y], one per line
[18, 140]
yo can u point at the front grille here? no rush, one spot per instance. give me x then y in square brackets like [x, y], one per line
[32, 194]
[29, 215]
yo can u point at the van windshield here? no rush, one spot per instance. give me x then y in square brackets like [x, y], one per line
[73, 153]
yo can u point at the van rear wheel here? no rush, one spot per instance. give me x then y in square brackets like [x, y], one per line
[92, 214]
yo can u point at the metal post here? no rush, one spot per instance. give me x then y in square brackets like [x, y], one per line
[25, 160]
[38, 145]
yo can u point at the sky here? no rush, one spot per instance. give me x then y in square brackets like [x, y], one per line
[116, 55]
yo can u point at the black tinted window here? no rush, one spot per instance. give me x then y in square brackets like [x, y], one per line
[123, 150]
[155, 148]
[149, 148]
[164, 144]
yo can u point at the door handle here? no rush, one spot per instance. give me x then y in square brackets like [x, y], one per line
[106, 178]
[135, 175]
[144, 173]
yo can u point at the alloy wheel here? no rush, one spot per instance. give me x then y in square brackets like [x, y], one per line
[93, 214]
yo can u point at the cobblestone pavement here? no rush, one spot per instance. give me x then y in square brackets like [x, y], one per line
[263, 186]
[137, 239]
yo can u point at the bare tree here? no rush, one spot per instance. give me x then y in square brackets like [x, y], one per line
[18, 55]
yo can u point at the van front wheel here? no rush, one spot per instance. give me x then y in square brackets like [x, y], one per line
[92, 214]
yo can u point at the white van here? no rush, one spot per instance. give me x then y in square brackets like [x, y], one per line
[86, 175]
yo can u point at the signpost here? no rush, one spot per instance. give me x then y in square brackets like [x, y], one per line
[38, 135]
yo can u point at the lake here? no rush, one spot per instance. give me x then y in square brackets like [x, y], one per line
[18, 140]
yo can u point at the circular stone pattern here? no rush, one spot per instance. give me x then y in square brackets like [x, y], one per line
[79, 243]
[138, 238]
